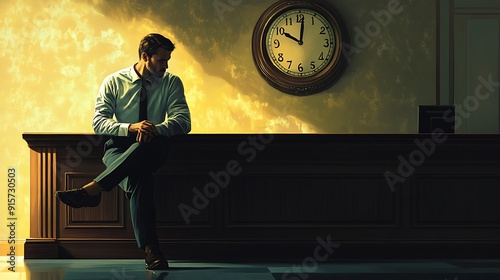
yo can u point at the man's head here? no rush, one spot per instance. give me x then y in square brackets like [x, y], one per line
[155, 51]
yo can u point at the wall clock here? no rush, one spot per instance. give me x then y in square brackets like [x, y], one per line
[297, 46]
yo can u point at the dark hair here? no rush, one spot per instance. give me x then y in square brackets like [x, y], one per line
[152, 42]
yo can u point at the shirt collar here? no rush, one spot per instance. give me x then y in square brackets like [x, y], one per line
[135, 77]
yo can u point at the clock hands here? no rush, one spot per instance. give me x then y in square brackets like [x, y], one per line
[301, 32]
[291, 37]
[301, 42]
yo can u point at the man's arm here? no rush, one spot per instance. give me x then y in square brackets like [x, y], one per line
[179, 117]
[103, 122]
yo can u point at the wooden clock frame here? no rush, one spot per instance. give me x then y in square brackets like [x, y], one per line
[300, 86]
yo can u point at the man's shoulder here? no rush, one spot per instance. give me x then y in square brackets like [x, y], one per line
[171, 79]
[124, 74]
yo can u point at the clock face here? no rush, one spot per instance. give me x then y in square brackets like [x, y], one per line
[297, 46]
[300, 42]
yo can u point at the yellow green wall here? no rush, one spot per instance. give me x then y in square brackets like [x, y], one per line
[55, 53]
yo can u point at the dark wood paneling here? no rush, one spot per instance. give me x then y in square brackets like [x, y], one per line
[110, 213]
[310, 201]
[289, 191]
[458, 200]
[172, 190]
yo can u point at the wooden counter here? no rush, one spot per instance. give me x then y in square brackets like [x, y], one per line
[277, 196]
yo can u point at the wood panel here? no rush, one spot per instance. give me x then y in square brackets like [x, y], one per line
[172, 190]
[458, 200]
[110, 213]
[277, 198]
[310, 201]
[43, 203]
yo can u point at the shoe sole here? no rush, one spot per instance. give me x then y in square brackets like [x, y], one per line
[69, 203]
[74, 204]
[158, 267]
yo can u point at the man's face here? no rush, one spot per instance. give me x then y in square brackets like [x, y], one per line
[157, 65]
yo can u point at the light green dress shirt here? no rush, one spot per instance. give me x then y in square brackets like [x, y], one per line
[117, 104]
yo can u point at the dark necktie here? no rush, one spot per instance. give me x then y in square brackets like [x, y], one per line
[143, 104]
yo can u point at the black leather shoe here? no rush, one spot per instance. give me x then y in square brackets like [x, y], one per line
[155, 260]
[78, 198]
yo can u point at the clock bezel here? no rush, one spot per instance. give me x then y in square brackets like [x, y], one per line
[296, 85]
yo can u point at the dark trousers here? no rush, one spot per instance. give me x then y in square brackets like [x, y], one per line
[130, 165]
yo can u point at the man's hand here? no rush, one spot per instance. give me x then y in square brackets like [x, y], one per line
[145, 130]
[143, 138]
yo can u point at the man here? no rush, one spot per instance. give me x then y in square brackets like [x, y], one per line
[140, 107]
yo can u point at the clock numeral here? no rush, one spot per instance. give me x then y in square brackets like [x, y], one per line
[280, 57]
[289, 22]
[300, 18]
[280, 31]
[300, 68]
[313, 22]
[321, 56]
[277, 43]
[323, 30]
[327, 43]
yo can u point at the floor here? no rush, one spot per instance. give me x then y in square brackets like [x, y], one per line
[341, 270]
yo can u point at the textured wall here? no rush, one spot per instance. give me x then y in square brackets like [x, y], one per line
[55, 53]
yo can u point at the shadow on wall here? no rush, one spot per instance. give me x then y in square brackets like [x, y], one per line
[391, 71]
